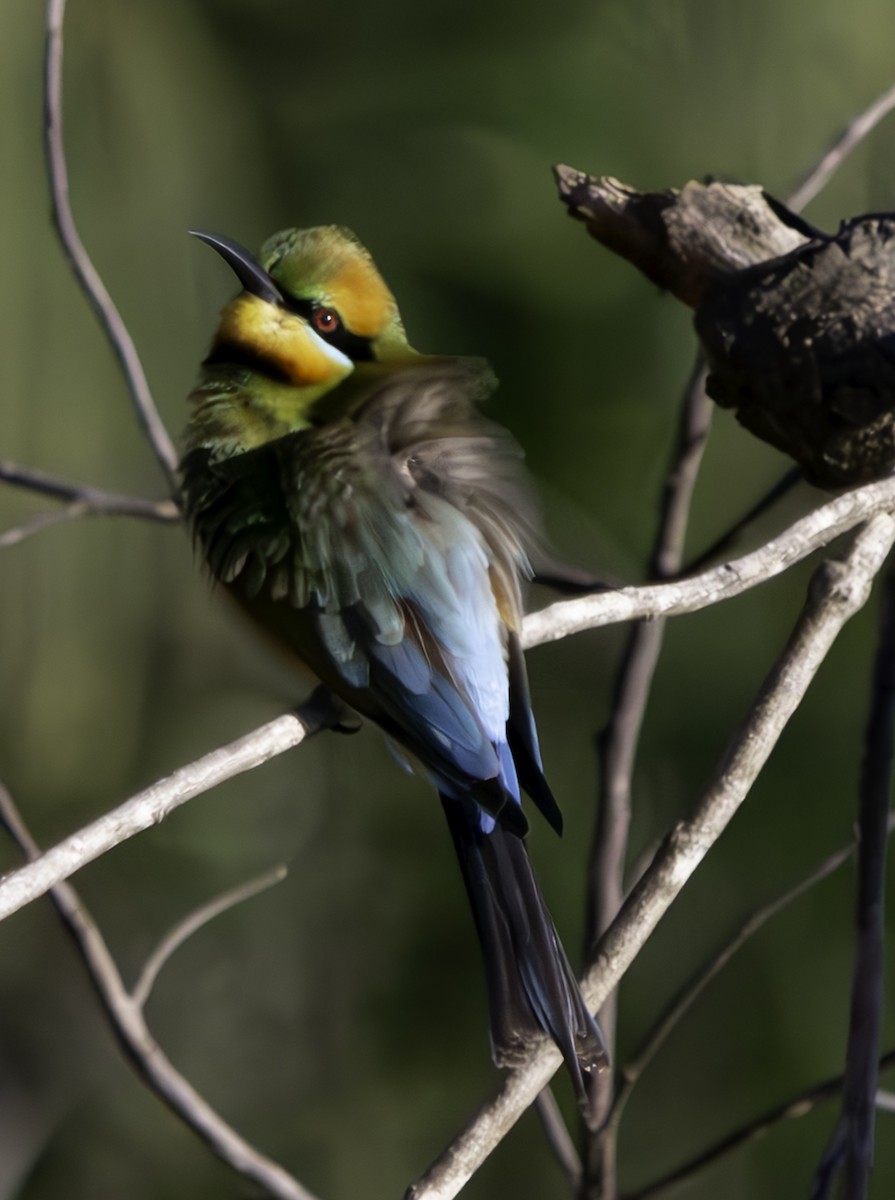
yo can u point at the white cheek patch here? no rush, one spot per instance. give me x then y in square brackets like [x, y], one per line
[328, 351]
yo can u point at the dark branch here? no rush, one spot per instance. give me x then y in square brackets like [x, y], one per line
[799, 1106]
[722, 546]
[618, 750]
[557, 1135]
[851, 1146]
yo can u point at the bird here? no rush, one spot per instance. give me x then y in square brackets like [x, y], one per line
[347, 490]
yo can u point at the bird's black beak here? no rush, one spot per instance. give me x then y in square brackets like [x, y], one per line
[244, 265]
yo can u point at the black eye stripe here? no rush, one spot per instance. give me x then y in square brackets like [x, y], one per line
[301, 308]
[355, 347]
[232, 354]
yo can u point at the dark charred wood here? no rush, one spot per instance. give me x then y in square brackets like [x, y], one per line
[798, 326]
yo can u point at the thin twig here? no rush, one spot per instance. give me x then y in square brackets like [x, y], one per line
[142, 1050]
[151, 806]
[193, 923]
[93, 498]
[85, 502]
[851, 1146]
[837, 591]
[723, 544]
[693, 988]
[88, 277]
[799, 1106]
[619, 742]
[849, 140]
[41, 521]
[558, 1137]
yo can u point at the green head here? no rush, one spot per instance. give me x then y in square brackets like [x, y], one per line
[313, 306]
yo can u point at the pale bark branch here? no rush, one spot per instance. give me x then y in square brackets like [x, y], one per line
[618, 744]
[17, 534]
[837, 591]
[152, 805]
[802, 538]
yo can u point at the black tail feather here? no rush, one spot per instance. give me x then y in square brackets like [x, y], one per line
[532, 990]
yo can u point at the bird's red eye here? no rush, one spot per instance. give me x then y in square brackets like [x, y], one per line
[326, 320]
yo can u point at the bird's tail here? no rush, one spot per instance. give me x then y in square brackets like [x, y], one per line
[531, 987]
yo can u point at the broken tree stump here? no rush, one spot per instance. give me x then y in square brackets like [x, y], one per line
[798, 326]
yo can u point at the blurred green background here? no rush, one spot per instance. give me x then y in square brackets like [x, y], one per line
[338, 1020]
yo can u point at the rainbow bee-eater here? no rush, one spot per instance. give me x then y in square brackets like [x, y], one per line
[345, 488]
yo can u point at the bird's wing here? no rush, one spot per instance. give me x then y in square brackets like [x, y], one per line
[397, 529]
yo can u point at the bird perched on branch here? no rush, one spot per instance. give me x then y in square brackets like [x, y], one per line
[346, 490]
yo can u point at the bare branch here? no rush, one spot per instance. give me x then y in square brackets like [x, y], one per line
[723, 544]
[730, 579]
[88, 277]
[142, 1050]
[848, 141]
[558, 1137]
[83, 501]
[42, 521]
[95, 499]
[799, 1106]
[837, 591]
[194, 922]
[151, 806]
